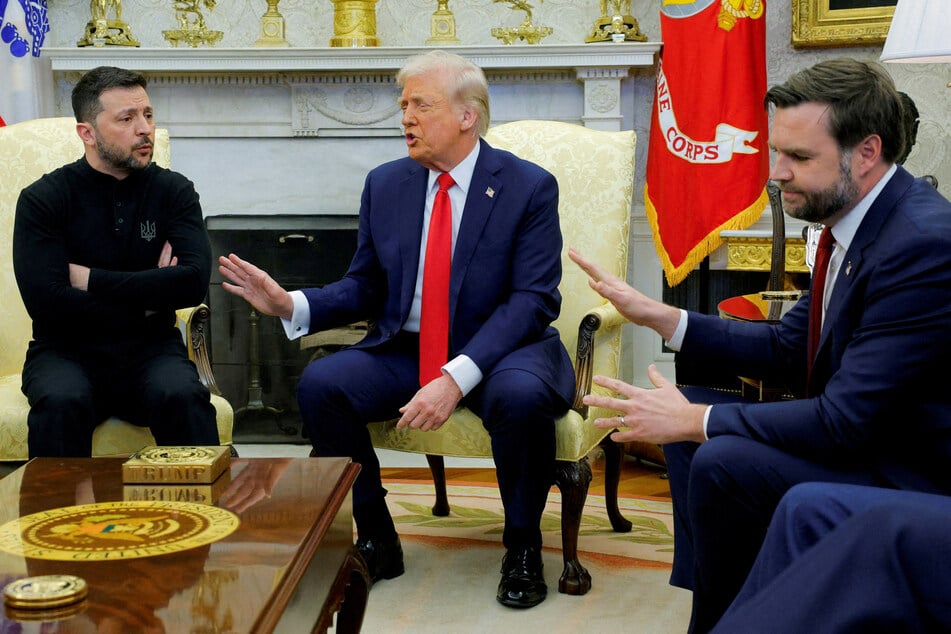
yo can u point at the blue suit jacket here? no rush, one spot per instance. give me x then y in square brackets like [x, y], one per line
[884, 404]
[506, 266]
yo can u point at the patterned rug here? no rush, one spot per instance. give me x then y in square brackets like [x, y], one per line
[452, 569]
[476, 515]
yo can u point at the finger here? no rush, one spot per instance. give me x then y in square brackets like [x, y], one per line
[658, 379]
[615, 385]
[624, 436]
[607, 423]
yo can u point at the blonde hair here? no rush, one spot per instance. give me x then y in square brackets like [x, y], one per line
[469, 86]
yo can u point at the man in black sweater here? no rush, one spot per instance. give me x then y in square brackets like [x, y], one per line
[105, 249]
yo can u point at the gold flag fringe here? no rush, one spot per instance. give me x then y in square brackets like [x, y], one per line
[676, 274]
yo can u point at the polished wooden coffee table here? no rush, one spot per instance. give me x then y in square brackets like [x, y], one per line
[289, 566]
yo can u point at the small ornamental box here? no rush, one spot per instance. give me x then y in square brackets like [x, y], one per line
[176, 465]
[177, 492]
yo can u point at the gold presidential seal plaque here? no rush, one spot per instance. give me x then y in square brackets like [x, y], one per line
[116, 530]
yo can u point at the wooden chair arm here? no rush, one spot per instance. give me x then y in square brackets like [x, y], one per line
[195, 323]
[599, 318]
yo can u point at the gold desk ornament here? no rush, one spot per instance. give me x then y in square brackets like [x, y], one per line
[354, 23]
[618, 25]
[193, 30]
[272, 28]
[104, 31]
[526, 30]
[442, 27]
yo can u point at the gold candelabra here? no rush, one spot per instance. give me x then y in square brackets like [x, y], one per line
[526, 30]
[101, 30]
[192, 28]
[616, 24]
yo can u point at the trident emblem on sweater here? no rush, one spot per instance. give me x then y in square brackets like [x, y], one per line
[148, 230]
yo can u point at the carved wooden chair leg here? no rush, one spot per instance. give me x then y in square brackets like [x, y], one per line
[437, 465]
[613, 454]
[573, 479]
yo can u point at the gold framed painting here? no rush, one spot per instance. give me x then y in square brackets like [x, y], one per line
[828, 23]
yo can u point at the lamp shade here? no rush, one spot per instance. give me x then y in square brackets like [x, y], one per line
[920, 32]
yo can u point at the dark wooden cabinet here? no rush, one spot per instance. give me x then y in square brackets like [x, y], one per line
[255, 365]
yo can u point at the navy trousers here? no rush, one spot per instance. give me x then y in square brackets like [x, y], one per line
[842, 558]
[339, 394]
[724, 493]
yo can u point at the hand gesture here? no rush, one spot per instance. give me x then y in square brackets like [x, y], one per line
[254, 285]
[634, 305]
[661, 415]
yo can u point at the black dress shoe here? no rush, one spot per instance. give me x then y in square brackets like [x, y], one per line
[383, 557]
[523, 583]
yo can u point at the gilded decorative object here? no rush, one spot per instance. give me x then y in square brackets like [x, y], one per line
[526, 30]
[754, 253]
[616, 24]
[192, 28]
[272, 28]
[354, 23]
[442, 26]
[102, 30]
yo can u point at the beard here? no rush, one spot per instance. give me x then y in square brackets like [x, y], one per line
[819, 206]
[119, 159]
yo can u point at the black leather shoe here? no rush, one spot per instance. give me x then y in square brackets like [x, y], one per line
[523, 582]
[383, 557]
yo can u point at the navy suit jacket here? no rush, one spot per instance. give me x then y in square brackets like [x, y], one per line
[506, 266]
[883, 404]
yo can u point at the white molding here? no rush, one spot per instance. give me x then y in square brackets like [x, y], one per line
[230, 60]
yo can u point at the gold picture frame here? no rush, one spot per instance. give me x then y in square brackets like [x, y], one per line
[820, 23]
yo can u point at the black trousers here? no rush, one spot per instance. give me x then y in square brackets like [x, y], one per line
[339, 394]
[74, 387]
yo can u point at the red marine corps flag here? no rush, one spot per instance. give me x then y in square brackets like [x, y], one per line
[708, 159]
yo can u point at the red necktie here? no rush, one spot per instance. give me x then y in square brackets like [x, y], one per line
[434, 318]
[819, 271]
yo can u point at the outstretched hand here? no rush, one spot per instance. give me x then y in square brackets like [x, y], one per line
[661, 415]
[256, 287]
[634, 305]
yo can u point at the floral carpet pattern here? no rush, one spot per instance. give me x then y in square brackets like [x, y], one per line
[476, 514]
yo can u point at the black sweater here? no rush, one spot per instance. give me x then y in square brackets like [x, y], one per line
[117, 228]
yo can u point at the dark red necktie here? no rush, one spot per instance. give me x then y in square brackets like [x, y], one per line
[819, 271]
[434, 318]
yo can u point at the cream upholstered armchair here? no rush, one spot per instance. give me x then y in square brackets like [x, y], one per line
[595, 173]
[27, 151]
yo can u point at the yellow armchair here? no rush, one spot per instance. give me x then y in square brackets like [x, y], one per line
[28, 150]
[595, 173]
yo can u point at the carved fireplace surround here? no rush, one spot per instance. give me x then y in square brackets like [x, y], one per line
[295, 130]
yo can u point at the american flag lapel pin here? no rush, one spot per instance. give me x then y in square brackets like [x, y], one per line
[490, 192]
[848, 268]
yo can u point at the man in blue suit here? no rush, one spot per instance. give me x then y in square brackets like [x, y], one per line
[876, 409]
[841, 558]
[503, 359]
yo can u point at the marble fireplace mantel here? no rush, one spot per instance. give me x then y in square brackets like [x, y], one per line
[318, 76]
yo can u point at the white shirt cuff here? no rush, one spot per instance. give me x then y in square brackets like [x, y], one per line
[464, 372]
[299, 323]
[677, 339]
[706, 419]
